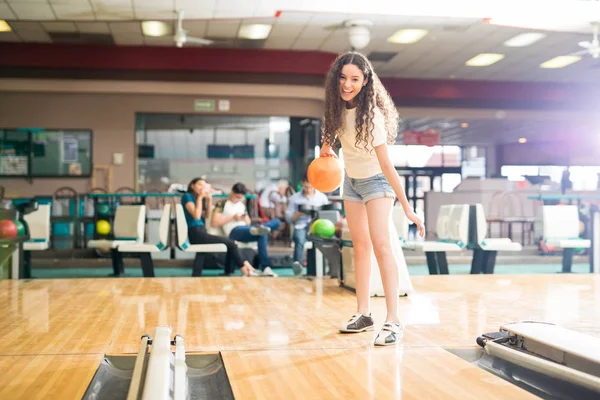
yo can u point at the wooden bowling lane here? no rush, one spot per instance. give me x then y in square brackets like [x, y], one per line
[277, 335]
[57, 316]
[47, 376]
[83, 316]
[370, 373]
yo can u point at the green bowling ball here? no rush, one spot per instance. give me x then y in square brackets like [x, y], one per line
[324, 228]
[20, 228]
[103, 209]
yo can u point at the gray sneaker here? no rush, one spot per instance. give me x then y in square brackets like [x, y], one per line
[260, 230]
[358, 323]
[390, 334]
[298, 268]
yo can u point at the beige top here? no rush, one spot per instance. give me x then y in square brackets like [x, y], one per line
[359, 162]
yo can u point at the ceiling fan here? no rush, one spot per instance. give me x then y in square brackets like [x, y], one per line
[592, 48]
[180, 38]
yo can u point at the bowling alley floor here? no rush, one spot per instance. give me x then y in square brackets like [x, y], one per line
[278, 338]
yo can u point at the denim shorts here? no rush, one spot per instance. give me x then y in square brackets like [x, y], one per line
[374, 187]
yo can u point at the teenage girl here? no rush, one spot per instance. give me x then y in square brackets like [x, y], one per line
[361, 117]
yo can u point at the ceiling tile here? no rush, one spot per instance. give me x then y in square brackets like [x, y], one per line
[158, 4]
[33, 11]
[6, 12]
[9, 37]
[125, 27]
[34, 35]
[79, 11]
[59, 26]
[111, 10]
[65, 1]
[155, 13]
[279, 42]
[295, 17]
[93, 27]
[223, 29]
[128, 39]
[197, 13]
[159, 41]
[26, 25]
[232, 14]
[307, 43]
[195, 28]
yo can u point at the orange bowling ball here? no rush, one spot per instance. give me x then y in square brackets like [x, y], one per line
[325, 174]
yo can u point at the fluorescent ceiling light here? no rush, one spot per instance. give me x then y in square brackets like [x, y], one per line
[484, 59]
[560, 62]
[254, 31]
[4, 26]
[155, 28]
[524, 39]
[406, 36]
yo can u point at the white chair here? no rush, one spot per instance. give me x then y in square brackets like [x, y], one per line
[145, 249]
[561, 229]
[485, 249]
[38, 223]
[128, 227]
[452, 228]
[200, 250]
[401, 223]
[38, 227]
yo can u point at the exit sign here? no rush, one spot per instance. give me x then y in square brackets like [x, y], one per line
[204, 105]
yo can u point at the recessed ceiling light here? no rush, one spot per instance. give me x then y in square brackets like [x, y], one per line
[254, 31]
[484, 59]
[524, 39]
[522, 140]
[560, 62]
[155, 28]
[407, 36]
[4, 26]
[464, 125]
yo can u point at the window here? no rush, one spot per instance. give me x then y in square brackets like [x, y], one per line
[37, 153]
[172, 149]
[425, 157]
[14, 153]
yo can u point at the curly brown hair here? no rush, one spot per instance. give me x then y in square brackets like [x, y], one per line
[372, 95]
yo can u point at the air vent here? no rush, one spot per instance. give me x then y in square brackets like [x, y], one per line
[454, 28]
[381, 56]
[81, 38]
[237, 43]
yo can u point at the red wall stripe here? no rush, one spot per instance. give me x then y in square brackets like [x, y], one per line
[314, 63]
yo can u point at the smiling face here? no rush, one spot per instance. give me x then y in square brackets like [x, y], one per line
[352, 80]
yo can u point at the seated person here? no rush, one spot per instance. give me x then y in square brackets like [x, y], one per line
[195, 202]
[273, 196]
[301, 221]
[232, 216]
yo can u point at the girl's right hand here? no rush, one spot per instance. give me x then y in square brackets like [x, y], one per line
[326, 151]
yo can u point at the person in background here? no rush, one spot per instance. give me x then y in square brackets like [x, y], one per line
[232, 216]
[307, 196]
[196, 201]
[274, 193]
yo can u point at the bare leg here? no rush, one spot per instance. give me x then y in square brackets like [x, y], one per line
[379, 213]
[356, 216]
